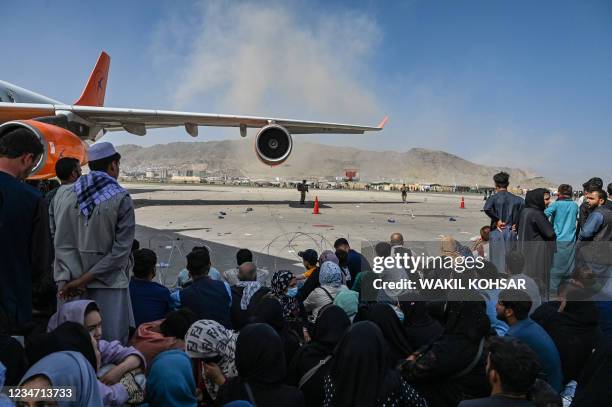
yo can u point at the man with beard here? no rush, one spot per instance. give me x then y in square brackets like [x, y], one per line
[595, 249]
[93, 225]
[584, 210]
[512, 368]
[24, 228]
[513, 308]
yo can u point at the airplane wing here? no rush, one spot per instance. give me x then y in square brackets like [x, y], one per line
[136, 121]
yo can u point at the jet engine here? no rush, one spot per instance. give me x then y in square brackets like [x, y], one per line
[273, 144]
[57, 143]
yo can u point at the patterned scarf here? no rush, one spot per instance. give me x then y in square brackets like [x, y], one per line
[207, 339]
[93, 189]
[280, 282]
[330, 274]
[250, 288]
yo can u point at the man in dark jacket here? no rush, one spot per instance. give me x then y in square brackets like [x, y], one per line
[595, 249]
[207, 298]
[24, 228]
[594, 184]
[356, 261]
[503, 209]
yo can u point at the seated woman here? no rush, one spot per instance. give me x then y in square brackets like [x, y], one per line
[117, 360]
[387, 320]
[452, 367]
[65, 369]
[421, 328]
[348, 300]
[210, 342]
[152, 338]
[262, 371]
[171, 381]
[330, 280]
[12, 356]
[360, 373]
[72, 336]
[69, 336]
[284, 288]
[328, 329]
[269, 311]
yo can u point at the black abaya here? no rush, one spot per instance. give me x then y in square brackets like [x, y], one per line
[536, 237]
[260, 361]
[393, 331]
[329, 328]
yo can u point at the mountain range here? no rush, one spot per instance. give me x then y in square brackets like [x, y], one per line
[312, 160]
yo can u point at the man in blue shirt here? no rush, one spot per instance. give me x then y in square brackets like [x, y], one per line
[150, 300]
[207, 298]
[513, 308]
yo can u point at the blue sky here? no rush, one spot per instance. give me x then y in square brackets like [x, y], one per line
[518, 83]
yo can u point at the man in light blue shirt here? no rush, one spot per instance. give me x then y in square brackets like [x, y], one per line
[563, 214]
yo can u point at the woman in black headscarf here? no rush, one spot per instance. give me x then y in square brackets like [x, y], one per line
[387, 320]
[260, 361]
[452, 367]
[536, 235]
[594, 384]
[69, 336]
[360, 375]
[269, 311]
[330, 326]
[575, 330]
[13, 357]
[421, 328]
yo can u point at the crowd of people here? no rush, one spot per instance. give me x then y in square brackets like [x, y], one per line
[80, 308]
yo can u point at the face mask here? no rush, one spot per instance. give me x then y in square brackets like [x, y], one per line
[292, 292]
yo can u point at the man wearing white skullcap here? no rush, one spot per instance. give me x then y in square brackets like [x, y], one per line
[93, 223]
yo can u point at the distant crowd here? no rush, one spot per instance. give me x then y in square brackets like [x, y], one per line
[80, 308]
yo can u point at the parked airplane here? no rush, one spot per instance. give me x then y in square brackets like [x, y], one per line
[64, 130]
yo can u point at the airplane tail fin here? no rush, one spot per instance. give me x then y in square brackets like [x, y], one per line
[95, 89]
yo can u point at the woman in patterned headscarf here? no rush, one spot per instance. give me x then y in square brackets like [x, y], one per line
[330, 280]
[283, 287]
[210, 341]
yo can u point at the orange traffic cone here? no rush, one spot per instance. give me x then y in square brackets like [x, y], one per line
[462, 204]
[316, 206]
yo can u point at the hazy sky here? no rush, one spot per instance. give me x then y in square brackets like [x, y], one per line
[518, 83]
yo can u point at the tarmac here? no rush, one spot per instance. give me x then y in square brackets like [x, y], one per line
[172, 219]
